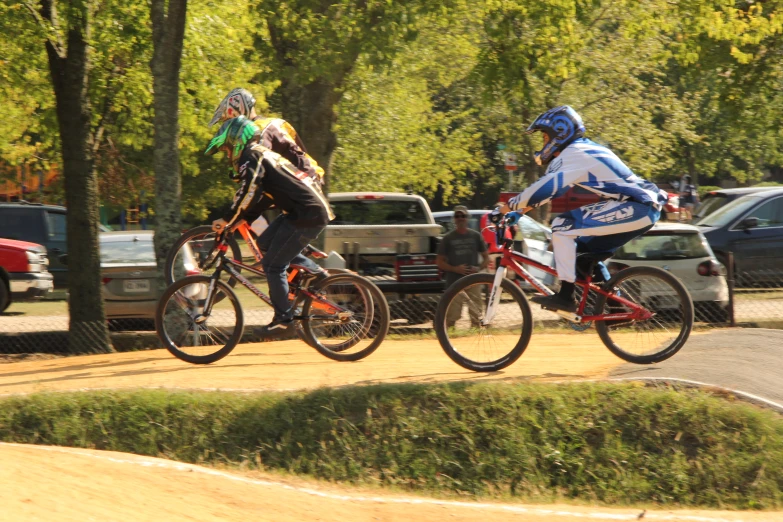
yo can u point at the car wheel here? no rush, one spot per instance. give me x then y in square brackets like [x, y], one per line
[5, 296]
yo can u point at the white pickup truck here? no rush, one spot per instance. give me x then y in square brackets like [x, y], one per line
[390, 238]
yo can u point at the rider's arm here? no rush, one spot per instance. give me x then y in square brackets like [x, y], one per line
[250, 172]
[569, 168]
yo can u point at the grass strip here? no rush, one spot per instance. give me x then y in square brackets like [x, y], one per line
[599, 443]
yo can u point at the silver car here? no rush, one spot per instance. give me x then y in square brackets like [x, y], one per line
[128, 272]
[682, 250]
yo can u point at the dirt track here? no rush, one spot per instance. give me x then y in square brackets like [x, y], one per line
[289, 365]
[66, 484]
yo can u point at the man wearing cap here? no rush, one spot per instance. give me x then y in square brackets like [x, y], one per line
[458, 255]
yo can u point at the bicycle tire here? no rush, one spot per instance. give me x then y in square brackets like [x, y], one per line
[452, 346]
[377, 324]
[190, 235]
[646, 293]
[175, 347]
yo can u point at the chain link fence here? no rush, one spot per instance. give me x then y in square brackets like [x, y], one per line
[752, 299]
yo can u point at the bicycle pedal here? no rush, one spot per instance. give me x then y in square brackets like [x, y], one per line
[569, 316]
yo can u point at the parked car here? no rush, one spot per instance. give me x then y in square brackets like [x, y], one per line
[41, 224]
[684, 251]
[23, 272]
[533, 239]
[751, 227]
[715, 199]
[128, 272]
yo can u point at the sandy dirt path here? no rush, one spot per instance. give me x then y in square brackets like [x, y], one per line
[65, 484]
[289, 365]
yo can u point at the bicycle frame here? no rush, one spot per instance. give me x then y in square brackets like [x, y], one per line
[244, 231]
[231, 266]
[514, 261]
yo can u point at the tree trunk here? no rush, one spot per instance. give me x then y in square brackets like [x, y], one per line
[311, 110]
[69, 66]
[168, 30]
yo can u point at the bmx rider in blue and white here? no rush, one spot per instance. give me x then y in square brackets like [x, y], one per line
[630, 205]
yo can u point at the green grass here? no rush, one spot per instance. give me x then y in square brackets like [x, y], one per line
[599, 443]
[41, 307]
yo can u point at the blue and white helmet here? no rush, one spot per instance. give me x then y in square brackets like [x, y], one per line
[563, 125]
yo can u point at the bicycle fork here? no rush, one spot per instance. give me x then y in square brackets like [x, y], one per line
[494, 297]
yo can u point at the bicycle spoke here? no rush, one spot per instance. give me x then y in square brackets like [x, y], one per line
[489, 347]
[659, 336]
[187, 333]
[346, 338]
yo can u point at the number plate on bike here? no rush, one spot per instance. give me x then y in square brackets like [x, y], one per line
[136, 285]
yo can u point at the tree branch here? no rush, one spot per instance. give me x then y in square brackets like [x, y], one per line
[51, 17]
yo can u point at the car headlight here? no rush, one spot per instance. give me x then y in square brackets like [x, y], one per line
[34, 261]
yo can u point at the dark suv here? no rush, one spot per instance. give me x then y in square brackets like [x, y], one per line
[715, 199]
[42, 224]
[751, 227]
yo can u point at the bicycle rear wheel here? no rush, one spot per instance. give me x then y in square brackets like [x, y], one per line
[353, 334]
[483, 348]
[186, 332]
[191, 252]
[657, 338]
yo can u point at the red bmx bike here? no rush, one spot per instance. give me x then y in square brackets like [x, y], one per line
[643, 314]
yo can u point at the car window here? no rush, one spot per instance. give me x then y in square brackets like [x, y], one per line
[581, 190]
[664, 246]
[710, 204]
[728, 212]
[378, 212]
[127, 251]
[474, 222]
[529, 229]
[769, 214]
[24, 224]
[57, 224]
[446, 223]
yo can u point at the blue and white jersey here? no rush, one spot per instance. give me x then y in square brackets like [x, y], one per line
[594, 168]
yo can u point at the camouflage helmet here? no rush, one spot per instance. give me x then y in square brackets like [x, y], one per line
[239, 102]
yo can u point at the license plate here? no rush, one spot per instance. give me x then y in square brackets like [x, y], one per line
[136, 285]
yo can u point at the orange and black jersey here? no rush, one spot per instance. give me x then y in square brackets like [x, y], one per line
[265, 174]
[279, 136]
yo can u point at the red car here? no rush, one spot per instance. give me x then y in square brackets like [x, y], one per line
[23, 271]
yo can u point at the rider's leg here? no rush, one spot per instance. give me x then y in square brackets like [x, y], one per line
[600, 227]
[265, 239]
[283, 247]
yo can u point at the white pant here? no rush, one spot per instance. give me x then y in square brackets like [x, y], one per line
[601, 227]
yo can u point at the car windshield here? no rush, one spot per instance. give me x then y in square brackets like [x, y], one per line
[665, 246]
[130, 252]
[711, 204]
[728, 212]
[531, 229]
[378, 212]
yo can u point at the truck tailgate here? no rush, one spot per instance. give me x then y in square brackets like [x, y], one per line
[380, 239]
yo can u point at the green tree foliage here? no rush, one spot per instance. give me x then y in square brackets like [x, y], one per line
[402, 127]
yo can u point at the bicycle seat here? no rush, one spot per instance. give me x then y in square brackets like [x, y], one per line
[313, 252]
[594, 256]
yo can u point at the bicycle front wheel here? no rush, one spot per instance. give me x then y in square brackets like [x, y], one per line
[190, 253]
[187, 332]
[354, 331]
[472, 344]
[657, 338]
